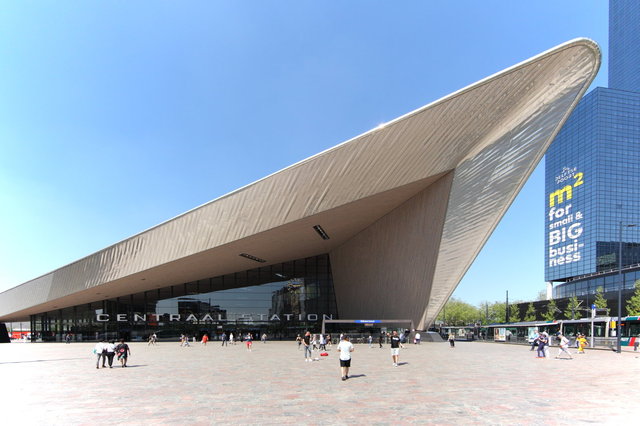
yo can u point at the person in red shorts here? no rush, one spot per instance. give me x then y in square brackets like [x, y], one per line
[249, 340]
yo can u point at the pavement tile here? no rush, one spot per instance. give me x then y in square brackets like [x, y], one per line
[475, 383]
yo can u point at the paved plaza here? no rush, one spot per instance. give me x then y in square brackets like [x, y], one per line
[475, 383]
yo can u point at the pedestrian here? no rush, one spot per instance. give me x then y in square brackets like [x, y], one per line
[299, 340]
[380, 338]
[417, 338]
[345, 347]
[452, 340]
[152, 339]
[329, 340]
[564, 346]
[224, 339]
[111, 352]
[542, 343]
[249, 341]
[306, 342]
[396, 344]
[264, 338]
[67, 338]
[323, 343]
[205, 339]
[370, 339]
[314, 342]
[582, 343]
[231, 339]
[123, 352]
[100, 350]
[534, 342]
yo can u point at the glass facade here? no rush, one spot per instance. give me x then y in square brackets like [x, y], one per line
[592, 177]
[608, 282]
[592, 202]
[280, 300]
[624, 39]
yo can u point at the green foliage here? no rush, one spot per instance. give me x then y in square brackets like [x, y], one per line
[551, 312]
[497, 312]
[573, 309]
[457, 312]
[530, 315]
[633, 304]
[600, 301]
[514, 313]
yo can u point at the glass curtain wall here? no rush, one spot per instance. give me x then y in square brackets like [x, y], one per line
[280, 301]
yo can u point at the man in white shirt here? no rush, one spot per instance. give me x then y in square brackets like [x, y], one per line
[564, 346]
[98, 350]
[345, 347]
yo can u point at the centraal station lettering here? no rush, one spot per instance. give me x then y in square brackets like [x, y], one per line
[209, 318]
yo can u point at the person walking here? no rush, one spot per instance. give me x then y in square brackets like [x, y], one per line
[345, 347]
[370, 340]
[306, 342]
[224, 338]
[452, 340]
[535, 341]
[299, 341]
[396, 344]
[323, 342]
[582, 343]
[111, 352]
[264, 338]
[380, 338]
[123, 352]
[249, 341]
[564, 346]
[205, 339]
[417, 338]
[100, 350]
[542, 343]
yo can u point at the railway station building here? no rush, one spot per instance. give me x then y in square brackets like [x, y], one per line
[382, 226]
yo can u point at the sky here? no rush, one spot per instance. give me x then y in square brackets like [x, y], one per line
[117, 116]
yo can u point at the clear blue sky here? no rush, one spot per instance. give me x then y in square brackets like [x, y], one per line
[116, 116]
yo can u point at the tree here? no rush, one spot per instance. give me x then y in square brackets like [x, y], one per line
[633, 304]
[497, 312]
[600, 301]
[552, 309]
[457, 312]
[530, 315]
[573, 308]
[514, 313]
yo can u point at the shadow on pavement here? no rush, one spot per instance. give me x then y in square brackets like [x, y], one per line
[39, 360]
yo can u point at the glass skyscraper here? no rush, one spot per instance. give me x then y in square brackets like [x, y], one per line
[592, 175]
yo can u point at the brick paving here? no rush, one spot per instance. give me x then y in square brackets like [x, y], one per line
[475, 383]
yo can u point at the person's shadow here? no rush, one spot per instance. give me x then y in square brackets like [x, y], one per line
[403, 363]
[357, 375]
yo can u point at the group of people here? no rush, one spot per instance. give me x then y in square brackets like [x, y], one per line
[105, 351]
[313, 342]
[542, 341]
[345, 348]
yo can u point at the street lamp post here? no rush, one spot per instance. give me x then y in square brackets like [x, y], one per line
[620, 285]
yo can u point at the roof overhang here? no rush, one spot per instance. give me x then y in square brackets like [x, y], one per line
[347, 188]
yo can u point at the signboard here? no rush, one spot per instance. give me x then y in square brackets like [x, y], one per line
[564, 220]
[500, 334]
